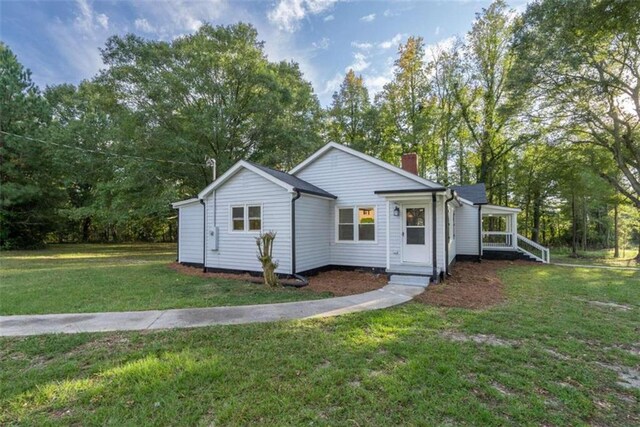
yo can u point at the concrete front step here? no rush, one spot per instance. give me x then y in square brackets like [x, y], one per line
[407, 280]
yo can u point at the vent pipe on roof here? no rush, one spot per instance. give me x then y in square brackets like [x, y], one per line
[410, 163]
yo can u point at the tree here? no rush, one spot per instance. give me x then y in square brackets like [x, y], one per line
[29, 187]
[446, 116]
[582, 62]
[348, 113]
[405, 108]
[489, 113]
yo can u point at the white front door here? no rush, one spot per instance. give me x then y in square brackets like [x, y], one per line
[415, 242]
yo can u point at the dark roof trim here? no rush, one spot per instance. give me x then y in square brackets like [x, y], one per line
[421, 190]
[316, 193]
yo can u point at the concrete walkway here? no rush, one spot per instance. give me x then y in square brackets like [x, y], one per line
[388, 296]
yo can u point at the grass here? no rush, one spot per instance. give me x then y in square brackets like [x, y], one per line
[90, 278]
[596, 257]
[387, 367]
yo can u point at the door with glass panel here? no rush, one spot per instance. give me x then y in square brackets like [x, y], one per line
[415, 240]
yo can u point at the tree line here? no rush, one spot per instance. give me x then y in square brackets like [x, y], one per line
[543, 107]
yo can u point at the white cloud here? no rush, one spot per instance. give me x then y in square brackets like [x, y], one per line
[169, 19]
[144, 25]
[329, 18]
[387, 13]
[368, 18]
[103, 20]
[432, 50]
[392, 42]
[322, 44]
[332, 85]
[437, 31]
[288, 13]
[87, 21]
[359, 63]
[362, 45]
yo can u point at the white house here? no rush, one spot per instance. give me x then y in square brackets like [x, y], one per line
[343, 208]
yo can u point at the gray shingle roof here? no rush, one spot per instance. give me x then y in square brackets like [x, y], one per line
[476, 193]
[297, 183]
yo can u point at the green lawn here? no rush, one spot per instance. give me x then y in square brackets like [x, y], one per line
[596, 257]
[90, 278]
[559, 346]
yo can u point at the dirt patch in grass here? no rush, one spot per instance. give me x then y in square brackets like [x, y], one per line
[473, 285]
[337, 282]
[341, 283]
[479, 339]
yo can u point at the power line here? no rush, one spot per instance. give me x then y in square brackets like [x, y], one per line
[89, 150]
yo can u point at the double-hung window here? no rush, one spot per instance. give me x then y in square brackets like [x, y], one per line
[246, 218]
[356, 224]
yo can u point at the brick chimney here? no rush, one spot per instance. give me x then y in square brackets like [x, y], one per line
[410, 163]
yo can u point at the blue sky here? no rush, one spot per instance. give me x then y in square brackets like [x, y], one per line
[59, 40]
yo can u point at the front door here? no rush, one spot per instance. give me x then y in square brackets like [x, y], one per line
[414, 235]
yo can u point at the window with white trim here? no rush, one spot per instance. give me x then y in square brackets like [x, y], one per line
[237, 218]
[246, 218]
[345, 225]
[255, 218]
[356, 224]
[366, 224]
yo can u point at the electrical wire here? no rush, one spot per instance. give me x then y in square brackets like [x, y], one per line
[89, 150]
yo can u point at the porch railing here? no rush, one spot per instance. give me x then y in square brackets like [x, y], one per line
[505, 240]
[533, 249]
[497, 239]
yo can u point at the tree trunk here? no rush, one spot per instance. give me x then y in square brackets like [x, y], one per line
[86, 228]
[574, 225]
[584, 224]
[616, 239]
[537, 213]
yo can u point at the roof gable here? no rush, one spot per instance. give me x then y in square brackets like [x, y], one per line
[283, 179]
[375, 161]
[476, 193]
[297, 183]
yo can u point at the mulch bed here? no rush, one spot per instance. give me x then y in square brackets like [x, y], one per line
[341, 283]
[338, 283]
[471, 285]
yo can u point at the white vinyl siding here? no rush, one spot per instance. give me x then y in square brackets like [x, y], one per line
[237, 250]
[190, 233]
[314, 232]
[467, 230]
[353, 180]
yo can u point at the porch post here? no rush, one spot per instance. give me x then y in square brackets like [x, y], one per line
[514, 230]
[434, 237]
[388, 234]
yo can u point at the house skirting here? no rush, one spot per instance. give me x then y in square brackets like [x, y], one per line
[329, 267]
[462, 257]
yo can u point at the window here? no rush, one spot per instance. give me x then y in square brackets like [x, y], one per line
[415, 226]
[345, 224]
[246, 218]
[255, 218]
[366, 224]
[237, 217]
[352, 228]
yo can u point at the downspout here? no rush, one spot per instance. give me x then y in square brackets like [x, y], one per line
[479, 232]
[204, 235]
[178, 236]
[293, 231]
[446, 232]
[434, 256]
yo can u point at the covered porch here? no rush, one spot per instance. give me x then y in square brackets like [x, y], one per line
[499, 225]
[414, 235]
